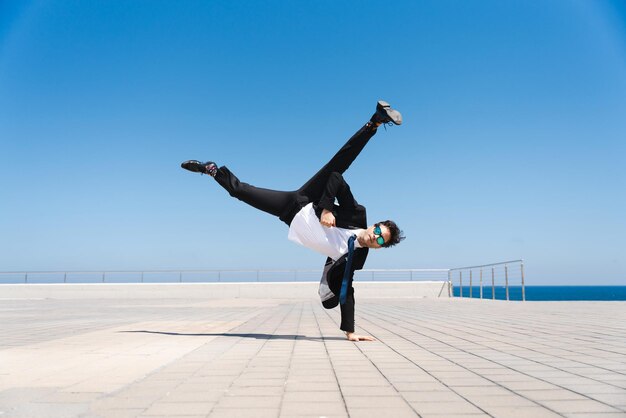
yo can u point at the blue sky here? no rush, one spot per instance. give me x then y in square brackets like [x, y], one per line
[513, 144]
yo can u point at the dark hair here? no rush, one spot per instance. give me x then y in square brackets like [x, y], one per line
[395, 232]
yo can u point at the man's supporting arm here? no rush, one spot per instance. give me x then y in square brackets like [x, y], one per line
[347, 319]
[347, 312]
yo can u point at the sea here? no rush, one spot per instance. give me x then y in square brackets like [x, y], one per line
[547, 293]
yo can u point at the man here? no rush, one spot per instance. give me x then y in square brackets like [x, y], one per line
[338, 231]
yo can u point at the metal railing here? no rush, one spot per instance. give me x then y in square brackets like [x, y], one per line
[491, 279]
[210, 276]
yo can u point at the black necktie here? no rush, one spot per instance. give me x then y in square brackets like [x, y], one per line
[346, 273]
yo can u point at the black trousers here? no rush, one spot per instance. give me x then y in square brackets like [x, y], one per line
[286, 205]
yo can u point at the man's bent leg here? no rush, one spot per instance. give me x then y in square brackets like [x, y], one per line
[340, 162]
[277, 203]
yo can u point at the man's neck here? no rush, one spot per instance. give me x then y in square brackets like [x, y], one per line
[359, 236]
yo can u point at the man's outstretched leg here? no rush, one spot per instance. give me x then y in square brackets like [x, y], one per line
[286, 204]
[278, 203]
[340, 162]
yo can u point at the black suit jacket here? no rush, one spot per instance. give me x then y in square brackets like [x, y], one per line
[350, 215]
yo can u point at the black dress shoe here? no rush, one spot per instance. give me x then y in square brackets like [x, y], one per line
[385, 114]
[196, 166]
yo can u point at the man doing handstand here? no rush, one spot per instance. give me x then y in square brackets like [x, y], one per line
[339, 231]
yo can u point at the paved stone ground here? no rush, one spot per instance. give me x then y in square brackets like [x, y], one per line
[276, 358]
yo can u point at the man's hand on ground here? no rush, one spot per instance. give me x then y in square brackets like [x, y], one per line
[354, 337]
[327, 219]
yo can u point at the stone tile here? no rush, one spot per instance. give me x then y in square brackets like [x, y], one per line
[392, 402]
[444, 408]
[469, 391]
[48, 410]
[377, 413]
[321, 378]
[363, 382]
[259, 382]
[595, 389]
[550, 395]
[312, 397]
[263, 402]
[615, 399]
[505, 400]
[473, 381]
[520, 412]
[122, 402]
[305, 415]
[69, 397]
[173, 416]
[254, 391]
[313, 408]
[565, 406]
[443, 396]
[371, 391]
[244, 413]
[122, 413]
[419, 387]
[453, 415]
[529, 385]
[193, 397]
[508, 377]
[180, 408]
[312, 387]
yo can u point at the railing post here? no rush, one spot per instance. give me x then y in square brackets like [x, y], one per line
[470, 283]
[102, 277]
[481, 283]
[219, 275]
[460, 284]
[411, 271]
[65, 277]
[493, 283]
[25, 277]
[506, 280]
[523, 286]
[450, 292]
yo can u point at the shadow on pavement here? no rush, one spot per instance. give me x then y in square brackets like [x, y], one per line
[257, 336]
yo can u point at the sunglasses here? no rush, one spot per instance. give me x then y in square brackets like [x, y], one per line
[380, 240]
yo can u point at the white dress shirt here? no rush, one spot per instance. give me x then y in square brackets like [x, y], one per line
[306, 230]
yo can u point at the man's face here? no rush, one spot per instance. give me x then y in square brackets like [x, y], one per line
[368, 237]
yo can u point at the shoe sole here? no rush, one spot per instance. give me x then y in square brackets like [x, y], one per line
[193, 166]
[394, 116]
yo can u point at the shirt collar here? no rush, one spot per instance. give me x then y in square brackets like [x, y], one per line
[358, 232]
